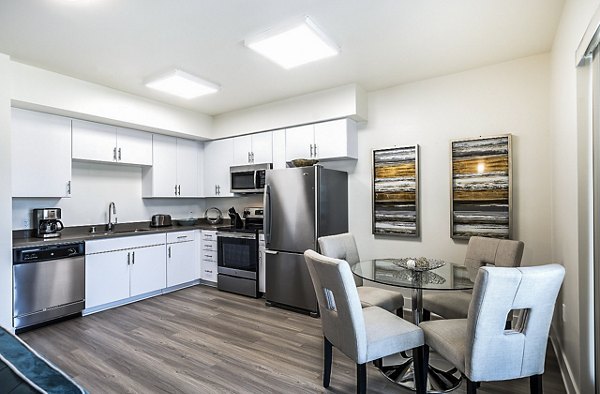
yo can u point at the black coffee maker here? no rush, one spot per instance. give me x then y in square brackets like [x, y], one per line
[47, 222]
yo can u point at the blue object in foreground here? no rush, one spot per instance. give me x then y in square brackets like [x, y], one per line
[22, 370]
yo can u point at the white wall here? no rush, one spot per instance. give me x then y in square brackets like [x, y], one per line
[38, 89]
[5, 196]
[569, 195]
[94, 186]
[505, 98]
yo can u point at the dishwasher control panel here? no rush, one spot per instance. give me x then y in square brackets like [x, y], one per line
[50, 252]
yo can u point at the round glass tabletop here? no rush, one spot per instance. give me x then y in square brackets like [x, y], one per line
[414, 273]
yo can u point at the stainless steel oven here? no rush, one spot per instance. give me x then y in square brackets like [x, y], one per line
[249, 179]
[238, 262]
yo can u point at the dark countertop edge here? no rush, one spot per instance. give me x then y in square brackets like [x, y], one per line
[26, 238]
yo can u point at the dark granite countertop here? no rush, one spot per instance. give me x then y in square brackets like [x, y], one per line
[26, 238]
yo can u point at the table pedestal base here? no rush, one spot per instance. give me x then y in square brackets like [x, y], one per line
[438, 380]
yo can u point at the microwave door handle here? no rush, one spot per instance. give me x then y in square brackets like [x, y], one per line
[267, 214]
[255, 179]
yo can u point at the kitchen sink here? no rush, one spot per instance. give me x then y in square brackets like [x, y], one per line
[124, 231]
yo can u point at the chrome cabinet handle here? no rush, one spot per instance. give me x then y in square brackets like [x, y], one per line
[252, 156]
[115, 153]
[179, 190]
[128, 258]
[175, 189]
[249, 161]
[119, 154]
[216, 190]
[69, 187]
[315, 150]
[311, 150]
[169, 252]
[132, 257]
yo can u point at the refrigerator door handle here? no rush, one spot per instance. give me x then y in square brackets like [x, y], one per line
[267, 214]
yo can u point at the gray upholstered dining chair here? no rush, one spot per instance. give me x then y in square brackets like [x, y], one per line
[343, 246]
[480, 346]
[481, 251]
[363, 334]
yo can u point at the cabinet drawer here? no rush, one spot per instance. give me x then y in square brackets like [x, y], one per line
[181, 236]
[209, 255]
[209, 271]
[209, 245]
[137, 241]
[209, 236]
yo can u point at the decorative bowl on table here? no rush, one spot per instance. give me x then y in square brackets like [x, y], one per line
[419, 263]
[304, 162]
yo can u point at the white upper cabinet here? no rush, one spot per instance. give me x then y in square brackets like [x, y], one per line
[218, 157]
[109, 144]
[253, 149]
[174, 172]
[44, 172]
[187, 168]
[336, 139]
[299, 142]
[134, 147]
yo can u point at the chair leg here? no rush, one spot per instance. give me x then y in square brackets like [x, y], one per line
[361, 378]
[471, 386]
[400, 312]
[420, 370]
[327, 358]
[426, 315]
[535, 384]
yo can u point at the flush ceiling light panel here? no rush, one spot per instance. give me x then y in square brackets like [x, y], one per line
[182, 84]
[293, 46]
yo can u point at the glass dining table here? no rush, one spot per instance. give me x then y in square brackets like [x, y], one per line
[417, 274]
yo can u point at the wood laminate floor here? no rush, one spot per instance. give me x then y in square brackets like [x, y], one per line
[201, 340]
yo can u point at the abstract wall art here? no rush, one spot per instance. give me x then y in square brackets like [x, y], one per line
[481, 189]
[396, 191]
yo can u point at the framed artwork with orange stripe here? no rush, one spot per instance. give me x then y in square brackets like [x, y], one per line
[396, 191]
[481, 189]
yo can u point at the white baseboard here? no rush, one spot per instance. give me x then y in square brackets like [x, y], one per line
[565, 368]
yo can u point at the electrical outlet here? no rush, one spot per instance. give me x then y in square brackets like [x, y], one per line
[564, 313]
[26, 224]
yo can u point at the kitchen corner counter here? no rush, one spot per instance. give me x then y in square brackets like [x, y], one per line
[26, 238]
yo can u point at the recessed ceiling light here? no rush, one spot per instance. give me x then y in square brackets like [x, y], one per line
[182, 84]
[293, 46]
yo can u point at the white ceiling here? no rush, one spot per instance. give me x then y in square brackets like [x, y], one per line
[119, 43]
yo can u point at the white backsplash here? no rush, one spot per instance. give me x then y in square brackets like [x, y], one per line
[95, 185]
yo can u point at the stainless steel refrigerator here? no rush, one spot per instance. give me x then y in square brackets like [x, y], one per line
[301, 205]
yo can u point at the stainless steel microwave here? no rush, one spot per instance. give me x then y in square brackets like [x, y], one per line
[249, 179]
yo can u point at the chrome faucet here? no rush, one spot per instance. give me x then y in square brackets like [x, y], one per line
[110, 226]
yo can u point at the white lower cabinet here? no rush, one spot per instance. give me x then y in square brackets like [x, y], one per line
[181, 258]
[119, 268]
[209, 257]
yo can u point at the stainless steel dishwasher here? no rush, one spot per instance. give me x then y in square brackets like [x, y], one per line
[48, 283]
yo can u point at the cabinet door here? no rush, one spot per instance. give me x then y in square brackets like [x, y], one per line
[148, 270]
[336, 139]
[262, 147]
[181, 263]
[242, 147]
[134, 147]
[298, 142]
[218, 157]
[44, 172]
[187, 168]
[164, 168]
[94, 141]
[106, 278]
